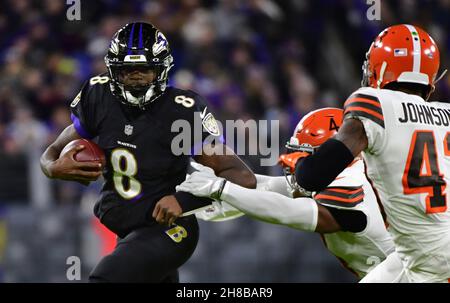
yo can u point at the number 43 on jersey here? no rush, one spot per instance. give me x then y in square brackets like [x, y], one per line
[422, 173]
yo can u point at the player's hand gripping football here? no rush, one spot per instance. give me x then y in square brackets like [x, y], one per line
[67, 168]
[203, 183]
[290, 160]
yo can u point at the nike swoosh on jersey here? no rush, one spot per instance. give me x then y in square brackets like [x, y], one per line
[202, 115]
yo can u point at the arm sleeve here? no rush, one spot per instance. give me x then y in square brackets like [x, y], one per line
[349, 220]
[300, 213]
[276, 184]
[84, 113]
[316, 172]
[366, 107]
[341, 197]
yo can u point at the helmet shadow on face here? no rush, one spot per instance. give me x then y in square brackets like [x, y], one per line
[137, 75]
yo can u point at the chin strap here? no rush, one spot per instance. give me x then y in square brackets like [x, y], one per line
[138, 101]
[440, 77]
[382, 71]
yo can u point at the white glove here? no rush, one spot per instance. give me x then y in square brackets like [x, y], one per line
[203, 183]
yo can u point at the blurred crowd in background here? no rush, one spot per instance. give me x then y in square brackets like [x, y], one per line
[256, 59]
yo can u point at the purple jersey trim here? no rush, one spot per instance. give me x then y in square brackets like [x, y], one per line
[79, 128]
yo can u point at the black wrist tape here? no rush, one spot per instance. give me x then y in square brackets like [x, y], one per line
[350, 220]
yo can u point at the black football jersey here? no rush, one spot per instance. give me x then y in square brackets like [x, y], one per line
[142, 146]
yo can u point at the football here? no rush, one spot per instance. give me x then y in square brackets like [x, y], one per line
[91, 153]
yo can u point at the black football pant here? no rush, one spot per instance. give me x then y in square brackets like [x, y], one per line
[149, 254]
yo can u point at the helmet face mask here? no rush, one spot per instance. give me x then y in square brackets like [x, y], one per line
[367, 74]
[142, 48]
[292, 147]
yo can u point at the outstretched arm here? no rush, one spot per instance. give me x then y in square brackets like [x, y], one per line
[277, 184]
[225, 164]
[301, 213]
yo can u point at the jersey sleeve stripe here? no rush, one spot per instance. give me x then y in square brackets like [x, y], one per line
[365, 105]
[360, 111]
[342, 196]
[334, 202]
[365, 97]
[348, 191]
[346, 197]
[376, 104]
[79, 127]
[364, 109]
[339, 199]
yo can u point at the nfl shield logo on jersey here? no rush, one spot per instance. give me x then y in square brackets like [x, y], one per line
[128, 130]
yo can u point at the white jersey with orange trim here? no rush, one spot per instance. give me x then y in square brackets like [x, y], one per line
[272, 201]
[408, 161]
[361, 251]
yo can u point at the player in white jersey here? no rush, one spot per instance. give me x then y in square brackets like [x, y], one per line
[346, 213]
[406, 144]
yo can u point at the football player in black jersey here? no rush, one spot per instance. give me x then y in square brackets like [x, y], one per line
[130, 111]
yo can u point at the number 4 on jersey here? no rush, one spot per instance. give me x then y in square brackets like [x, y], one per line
[422, 174]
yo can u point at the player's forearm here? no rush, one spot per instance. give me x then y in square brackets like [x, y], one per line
[317, 171]
[274, 184]
[227, 165]
[301, 213]
[51, 154]
[47, 158]
[239, 175]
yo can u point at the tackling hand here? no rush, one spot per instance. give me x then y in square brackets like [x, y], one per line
[203, 183]
[290, 160]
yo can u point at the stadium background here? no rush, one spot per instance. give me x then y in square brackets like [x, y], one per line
[257, 59]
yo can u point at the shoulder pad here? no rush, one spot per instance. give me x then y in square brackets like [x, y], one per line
[365, 103]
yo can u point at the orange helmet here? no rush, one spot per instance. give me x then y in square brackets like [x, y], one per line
[401, 53]
[315, 128]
